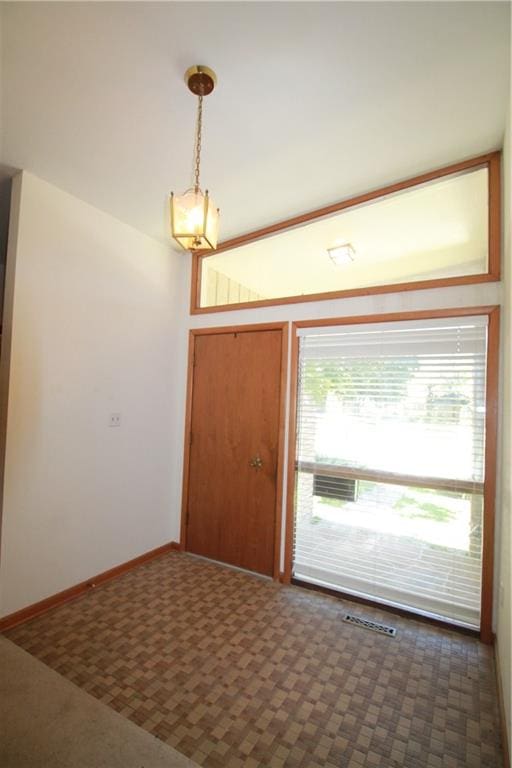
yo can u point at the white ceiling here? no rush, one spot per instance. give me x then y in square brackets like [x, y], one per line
[315, 101]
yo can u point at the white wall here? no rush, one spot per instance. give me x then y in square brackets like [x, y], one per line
[90, 325]
[504, 635]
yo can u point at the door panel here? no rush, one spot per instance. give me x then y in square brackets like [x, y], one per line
[235, 419]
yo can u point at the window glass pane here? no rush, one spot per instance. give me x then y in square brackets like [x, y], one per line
[413, 547]
[431, 231]
[407, 398]
[390, 462]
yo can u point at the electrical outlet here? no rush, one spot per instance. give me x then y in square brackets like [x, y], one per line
[114, 420]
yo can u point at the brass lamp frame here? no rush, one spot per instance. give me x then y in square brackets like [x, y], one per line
[186, 235]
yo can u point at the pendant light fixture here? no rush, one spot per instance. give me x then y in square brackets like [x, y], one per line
[194, 217]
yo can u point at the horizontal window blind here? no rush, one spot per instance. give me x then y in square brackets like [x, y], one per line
[396, 413]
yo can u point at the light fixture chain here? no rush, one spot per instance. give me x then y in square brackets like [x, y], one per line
[194, 219]
[198, 140]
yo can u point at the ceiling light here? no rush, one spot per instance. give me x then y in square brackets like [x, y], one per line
[194, 218]
[342, 254]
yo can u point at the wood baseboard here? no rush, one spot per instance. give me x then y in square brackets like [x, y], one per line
[36, 609]
[501, 705]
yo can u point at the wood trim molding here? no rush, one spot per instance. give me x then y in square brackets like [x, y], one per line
[376, 476]
[391, 317]
[505, 735]
[281, 451]
[290, 470]
[275, 326]
[36, 609]
[349, 294]
[186, 441]
[193, 334]
[493, 313]
[491, 160]
[491, 433]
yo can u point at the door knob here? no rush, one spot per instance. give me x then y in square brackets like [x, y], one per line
[256, 462]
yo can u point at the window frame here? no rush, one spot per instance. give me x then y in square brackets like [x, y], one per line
[491, 161]
[491, 427]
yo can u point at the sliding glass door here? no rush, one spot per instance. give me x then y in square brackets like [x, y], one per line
[390, 462]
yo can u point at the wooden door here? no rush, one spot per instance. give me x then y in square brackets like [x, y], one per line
[235, 426]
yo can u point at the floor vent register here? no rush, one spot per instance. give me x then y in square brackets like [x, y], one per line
[367, 624]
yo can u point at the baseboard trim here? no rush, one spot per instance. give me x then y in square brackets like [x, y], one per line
[36, 609]
[501, 706]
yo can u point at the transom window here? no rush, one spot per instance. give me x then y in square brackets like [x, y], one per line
[435, 229]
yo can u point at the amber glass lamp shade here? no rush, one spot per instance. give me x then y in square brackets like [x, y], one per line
[194, 220]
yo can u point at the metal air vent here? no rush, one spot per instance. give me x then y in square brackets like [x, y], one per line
[367, 624]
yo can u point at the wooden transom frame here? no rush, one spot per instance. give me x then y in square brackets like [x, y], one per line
[491, 161]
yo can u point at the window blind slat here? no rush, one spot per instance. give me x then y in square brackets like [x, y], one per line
[400, 408]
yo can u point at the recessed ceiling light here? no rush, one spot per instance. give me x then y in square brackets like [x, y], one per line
[342, 254]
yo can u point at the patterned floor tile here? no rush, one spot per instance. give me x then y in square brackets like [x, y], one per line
[236, 671]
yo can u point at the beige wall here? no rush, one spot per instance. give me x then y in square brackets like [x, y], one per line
[504, 641]
[90, 326]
